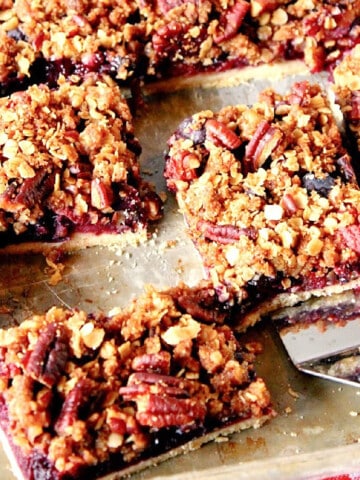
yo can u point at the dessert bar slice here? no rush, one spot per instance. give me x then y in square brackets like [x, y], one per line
[40, 40]
[162, 39]
[211, 36]
[270, 198]
[347, 91]
[69, 171]
[83, 395]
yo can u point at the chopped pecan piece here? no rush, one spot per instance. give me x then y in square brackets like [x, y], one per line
[34, 190]
[203, 303]
[101, 194]
[346, 167]
[354, 114]
[289, 203]
[183, 166]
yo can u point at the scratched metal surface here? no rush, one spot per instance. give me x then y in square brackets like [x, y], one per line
[317, 430]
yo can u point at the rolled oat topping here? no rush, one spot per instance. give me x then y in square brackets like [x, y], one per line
[69, 163]
[217, 35]
[269, 193]
[67, 37]
[85, 392]
[162, 38]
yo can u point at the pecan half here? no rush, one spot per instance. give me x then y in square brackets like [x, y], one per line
[266, 138]
[165, 401]
[161, 412]
[76, 400]
[156, 378]
[134, 390]
[219, 133]
[154, 362]
[158, 383]
[47, 361]
[224, 233]
[231, 20]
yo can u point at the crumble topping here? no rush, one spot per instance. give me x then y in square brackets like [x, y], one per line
[157, 39]
[81, 389]
[69, 161]
[92, 34]
[234, 33]
[268, 191]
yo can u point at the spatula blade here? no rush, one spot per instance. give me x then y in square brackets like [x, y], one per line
[322, 337]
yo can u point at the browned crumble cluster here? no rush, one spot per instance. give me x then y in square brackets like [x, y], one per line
[69, 163]
[268, 193]
[162, 38]
[347, 91]
[82, 390]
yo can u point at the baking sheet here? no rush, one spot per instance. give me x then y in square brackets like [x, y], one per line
[317, 430]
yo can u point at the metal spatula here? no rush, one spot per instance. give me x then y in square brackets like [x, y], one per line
[322, 336]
